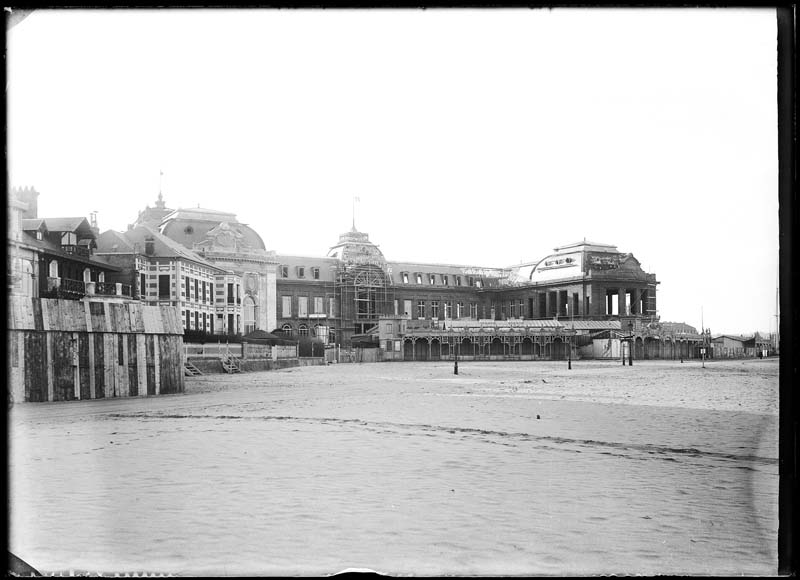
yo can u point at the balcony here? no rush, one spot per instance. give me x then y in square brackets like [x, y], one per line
[77, 289]
[76, 250]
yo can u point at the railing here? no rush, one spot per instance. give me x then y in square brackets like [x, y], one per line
[75, 289]
[77, 250]
[105, 288]
[73, 286]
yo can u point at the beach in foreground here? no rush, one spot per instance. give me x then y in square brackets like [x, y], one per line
[405, 468]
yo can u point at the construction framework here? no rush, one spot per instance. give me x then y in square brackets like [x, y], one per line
[365, 293]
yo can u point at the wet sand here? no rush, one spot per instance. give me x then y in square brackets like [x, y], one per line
[405, 468]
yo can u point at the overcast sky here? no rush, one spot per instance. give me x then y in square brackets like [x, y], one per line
[479, 137]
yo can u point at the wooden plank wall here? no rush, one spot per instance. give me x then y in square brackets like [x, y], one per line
[62, 350]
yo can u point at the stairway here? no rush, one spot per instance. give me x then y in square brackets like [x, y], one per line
[190, 370]
[231, 364]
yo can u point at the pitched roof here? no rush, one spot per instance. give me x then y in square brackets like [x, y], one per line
[114, 242]
[164, 247]
[68, 224]
[33, 224]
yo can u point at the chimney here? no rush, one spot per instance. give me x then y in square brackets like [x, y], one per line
[29, 196]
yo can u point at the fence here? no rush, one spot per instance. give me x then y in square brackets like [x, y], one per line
[65, 349]
[241, 350]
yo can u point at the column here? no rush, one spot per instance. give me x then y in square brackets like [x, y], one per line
[621, 301]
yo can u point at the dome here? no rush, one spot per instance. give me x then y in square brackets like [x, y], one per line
[354, 246]
[202, 227]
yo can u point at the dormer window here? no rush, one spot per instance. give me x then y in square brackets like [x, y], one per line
[405, 277]
[419, 278]
[458, 280]
[432, 278]
[444, 279]
[301, 272]
[284, 271]
[315, 273]
[69, 239]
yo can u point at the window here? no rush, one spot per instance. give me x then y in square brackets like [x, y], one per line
[331, 307]
[302, 330]
[458, 280]
[284, 271]
[406, 307]
[286, 328]
[445, 279]
[302, 306]
[315, 273]
[197, 289]
[432, 278]
[142, 285]
[405, 277]
[473, 310]
[318, 307]
[478, 283]
[419, 278]
[286, 306]
[470, 281]
[448, 309]
[421, 309]
[459, 310]
[434, 309]
[185, 287]
[301, 272]
[163, 286]
[396, 307]
[230, 292]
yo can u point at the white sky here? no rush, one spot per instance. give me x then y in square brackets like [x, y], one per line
[480, 137]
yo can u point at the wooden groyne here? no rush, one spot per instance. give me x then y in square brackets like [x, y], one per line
[63, 350]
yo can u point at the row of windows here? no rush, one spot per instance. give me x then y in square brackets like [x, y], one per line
[300, 272]
[306, 330]
[194, 289]
[443, 279]
[438, 309]
[194, 320]
[317, 305]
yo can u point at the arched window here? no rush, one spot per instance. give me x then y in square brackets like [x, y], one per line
[302, 330]
[249, 311]
[287, 329]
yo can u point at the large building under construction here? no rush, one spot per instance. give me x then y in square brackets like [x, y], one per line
[352, 294]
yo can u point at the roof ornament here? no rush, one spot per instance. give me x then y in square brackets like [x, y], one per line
[160, 202]
[355, 199]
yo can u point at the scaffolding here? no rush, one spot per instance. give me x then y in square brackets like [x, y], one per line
[365, 293]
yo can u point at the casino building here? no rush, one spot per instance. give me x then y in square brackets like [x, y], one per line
[548, 308]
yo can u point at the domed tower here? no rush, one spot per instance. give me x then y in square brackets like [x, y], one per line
[362, 281]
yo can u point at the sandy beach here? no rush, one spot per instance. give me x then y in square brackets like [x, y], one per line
[406, 468]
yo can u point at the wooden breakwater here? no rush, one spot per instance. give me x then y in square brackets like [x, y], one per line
[60, 350]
